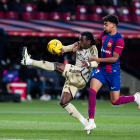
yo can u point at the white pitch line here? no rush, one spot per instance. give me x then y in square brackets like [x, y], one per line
[36, 112]
[12, 139]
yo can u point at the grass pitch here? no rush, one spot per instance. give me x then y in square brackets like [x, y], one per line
[41, 120]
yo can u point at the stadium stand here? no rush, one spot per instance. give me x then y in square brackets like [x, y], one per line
[2, 15]
[125, 10]
[81, 9]
[42, 15]
[112, 10]
[98, 9]
[82, 16]
[136, 19]
[28, 15]
[30, 7]
[55, 16]
[125, 18]
[136, 11]
[11, 15]
[66, 16]
[136, 4]
[95, 17]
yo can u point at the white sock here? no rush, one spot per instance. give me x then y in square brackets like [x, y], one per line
[50, 66]
[30, 62]
[136, 97]
[83, 120]
[91, 120]
[74, 112]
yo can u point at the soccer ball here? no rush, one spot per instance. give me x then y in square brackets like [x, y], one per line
[55, 46]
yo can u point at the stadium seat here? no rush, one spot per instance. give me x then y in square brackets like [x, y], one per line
[55, 16]
[136, 4]
[11, 15]
[125, 10]
[136, 11]
[81, 9]
[1, 15]
[28, 15]
[125, 18]
[66, 16]
[29, 7]
[136, 19]
[41, 15]
[112, 10]
[97, 9]
[95, 17]
[82, 17]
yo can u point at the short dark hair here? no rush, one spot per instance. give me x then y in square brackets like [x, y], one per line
[89, 36]
[111, 18]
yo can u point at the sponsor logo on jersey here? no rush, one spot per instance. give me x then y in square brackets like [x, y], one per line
[106, 51]
[93, 55]
[119, 46]
[109, 44]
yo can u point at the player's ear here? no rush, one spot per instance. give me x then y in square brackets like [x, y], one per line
[89, 42]
[114, 25]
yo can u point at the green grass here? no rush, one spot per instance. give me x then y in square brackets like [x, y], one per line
[42, 120]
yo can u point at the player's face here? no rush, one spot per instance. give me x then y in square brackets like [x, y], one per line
[83, 42]
[108, 26]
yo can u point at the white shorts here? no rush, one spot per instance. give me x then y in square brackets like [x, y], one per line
[74, 80]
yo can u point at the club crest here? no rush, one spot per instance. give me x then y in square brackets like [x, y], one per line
[109, 44]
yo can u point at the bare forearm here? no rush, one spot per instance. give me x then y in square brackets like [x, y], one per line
[107, 60]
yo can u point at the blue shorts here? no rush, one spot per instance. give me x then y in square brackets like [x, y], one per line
[113, 80]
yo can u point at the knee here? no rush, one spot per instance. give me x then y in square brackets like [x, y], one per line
[63, 103]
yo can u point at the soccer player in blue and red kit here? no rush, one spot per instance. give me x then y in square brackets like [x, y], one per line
[108, 69]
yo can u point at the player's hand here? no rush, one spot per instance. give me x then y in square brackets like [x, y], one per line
[85, 64]
[93, 58]
[62, 52]
[76, 45]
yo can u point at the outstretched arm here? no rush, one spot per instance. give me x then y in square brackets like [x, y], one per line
[112, 59]
[69, 48]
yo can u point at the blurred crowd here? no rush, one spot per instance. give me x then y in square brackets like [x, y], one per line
[40, 83]
[60, 6]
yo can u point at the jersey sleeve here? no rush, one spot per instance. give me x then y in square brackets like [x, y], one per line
[68, 48]
[119, 45]
[100, 36]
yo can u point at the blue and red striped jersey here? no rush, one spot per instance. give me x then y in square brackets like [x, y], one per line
[110, 44]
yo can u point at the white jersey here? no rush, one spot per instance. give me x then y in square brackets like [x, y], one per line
[84, 54]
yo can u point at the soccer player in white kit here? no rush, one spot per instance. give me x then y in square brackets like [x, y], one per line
[76, 75]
